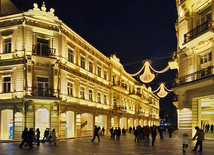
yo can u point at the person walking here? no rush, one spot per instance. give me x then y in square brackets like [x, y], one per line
[147, 131]
[103, 130]
[96, 130]
[46, 135]
[154, 134]
[112, 132]
[200, 137]
[118, 133]
[185, 140]
[136, 134]
[37, 136]
[130, 129]
[211, 128]
[30, 137]
[24, 137]
[53, 137]
[170, 130]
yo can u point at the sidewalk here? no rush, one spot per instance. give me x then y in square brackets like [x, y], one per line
[126, 146]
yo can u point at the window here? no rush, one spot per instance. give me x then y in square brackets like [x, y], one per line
[91, 66]
[70, 89]
[90, 95]
[6, 84]
[43, 47]
[105, 74]
[42, 84]
[105, 99]
[7, 45]
[70, 55]
[99, 71]
[205, 15]
[206, 58]
[82, 62]
[82, 92]
[98, 97]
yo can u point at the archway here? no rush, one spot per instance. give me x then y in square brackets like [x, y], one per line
[6, 124]
[130, 122]
[101, 121]
[86, 124]
[42, 120]
[123, 123]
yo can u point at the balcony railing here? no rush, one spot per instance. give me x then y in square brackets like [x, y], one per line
[118, 83]
[43, 50]
[42, 92]
[198, 31]
[120, 107]
[135, 93]
[204, 73]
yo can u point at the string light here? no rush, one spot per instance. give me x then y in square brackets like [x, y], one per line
[163, 91]
[147, 75]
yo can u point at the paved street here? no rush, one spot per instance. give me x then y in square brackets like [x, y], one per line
[125, 146]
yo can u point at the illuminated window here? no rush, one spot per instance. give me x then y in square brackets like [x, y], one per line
[82, 92]
[90, 95]
[82, 62]
[99, 97]
[105, 99]
[105, 74]
[6, 84]
[99, 71]
[70, 55]
[91, 66]
[70, 89]
[7, 45]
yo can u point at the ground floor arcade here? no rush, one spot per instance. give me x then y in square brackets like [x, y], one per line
[69, 119]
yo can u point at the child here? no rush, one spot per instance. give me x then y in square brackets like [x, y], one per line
[185, 140]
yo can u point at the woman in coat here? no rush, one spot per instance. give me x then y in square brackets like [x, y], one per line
[53, 137]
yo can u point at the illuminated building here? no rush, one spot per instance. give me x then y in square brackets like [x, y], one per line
[194, 61]
[50, 77]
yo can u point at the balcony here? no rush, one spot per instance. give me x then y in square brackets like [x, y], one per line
[202, 74]
[42, 92]
[122, 87]
[136, 95]
[199, 30]
[120, 107]
[43, 51]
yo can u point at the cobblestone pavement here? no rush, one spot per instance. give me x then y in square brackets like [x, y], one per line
[126, 146]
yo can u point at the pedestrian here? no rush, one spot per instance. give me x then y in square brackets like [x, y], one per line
[37, 136]
[170, 130]
[161, 132]
[53, 137]
[24, 137]
[112, 132]
[118, 134]
[200, 137]
[130, 129]
[136, 134]
[46, 135]
[30, 137]
[103, 130]
[147, 131]
[211, 128]
[154, 134]
[123, 131]
[185, 140]
[115, 133]
[96, 130]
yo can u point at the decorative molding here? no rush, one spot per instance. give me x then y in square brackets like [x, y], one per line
[203, 45]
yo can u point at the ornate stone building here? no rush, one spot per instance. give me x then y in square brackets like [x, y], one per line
[194, 60]
[50, 77]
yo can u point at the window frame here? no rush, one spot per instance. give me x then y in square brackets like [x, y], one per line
[82, 61]
[8, 45]
[70, 88]
[70, 55]
[7, 83]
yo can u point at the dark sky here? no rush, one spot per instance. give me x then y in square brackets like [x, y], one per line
[133, 29]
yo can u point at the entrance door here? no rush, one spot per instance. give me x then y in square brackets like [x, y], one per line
[6, 124]
[42, 120]
[69, 124]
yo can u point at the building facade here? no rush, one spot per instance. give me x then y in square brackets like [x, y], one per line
[194, 61]
[50, 77]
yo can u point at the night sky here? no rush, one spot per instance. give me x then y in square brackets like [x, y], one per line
[135, 30]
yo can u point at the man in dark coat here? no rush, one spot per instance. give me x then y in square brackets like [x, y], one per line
[37, 136]
[154, 134]
[200, 137]
[96, 130]
[30, 137]
[24, 137]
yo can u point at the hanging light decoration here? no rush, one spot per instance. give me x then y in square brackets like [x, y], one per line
[163, 91]
[147, 75]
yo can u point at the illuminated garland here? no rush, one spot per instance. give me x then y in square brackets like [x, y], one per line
[162, 93]
[147, 76]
